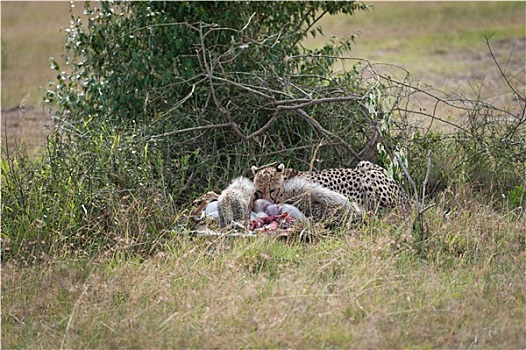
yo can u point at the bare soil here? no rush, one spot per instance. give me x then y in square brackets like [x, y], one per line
[25, 126]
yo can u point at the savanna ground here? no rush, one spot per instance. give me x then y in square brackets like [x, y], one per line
[362, 287]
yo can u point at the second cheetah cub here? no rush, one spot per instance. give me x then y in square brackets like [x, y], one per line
[235, 202]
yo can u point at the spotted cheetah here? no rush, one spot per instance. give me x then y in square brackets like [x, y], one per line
[235, 202]
[367, 184]
[316, 201]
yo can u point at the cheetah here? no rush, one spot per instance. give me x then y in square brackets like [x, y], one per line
[235, 202]
[367, 184]
[316, 201]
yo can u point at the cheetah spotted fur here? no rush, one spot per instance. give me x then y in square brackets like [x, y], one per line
[367, 184]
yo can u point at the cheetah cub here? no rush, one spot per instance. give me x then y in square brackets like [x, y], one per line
[235, 202]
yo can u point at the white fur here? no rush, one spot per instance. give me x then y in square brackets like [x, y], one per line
[235, 202]
[315, 199]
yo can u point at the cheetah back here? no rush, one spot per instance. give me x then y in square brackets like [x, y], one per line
[367, 184]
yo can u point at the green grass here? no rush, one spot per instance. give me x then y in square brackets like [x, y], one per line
[440, 44]
[410, 28]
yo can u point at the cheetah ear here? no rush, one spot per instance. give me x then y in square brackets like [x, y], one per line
[280, 167]
[254, 169]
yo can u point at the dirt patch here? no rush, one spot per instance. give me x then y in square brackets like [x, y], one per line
[479, 68]
[27, 127]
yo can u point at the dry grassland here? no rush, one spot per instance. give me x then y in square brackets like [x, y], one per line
[364, 287]
[361, 289]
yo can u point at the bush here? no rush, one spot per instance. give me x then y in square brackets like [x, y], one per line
[162, 101]
[190, 83]
[484, 147]
[166, 100]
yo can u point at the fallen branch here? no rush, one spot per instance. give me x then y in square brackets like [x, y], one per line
[197, 128]
[320, 128]
[211, 233]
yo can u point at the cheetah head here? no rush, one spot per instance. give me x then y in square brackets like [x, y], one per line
[268, 182]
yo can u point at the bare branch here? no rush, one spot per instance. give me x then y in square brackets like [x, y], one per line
[502, 73]
[410, 179]
[428, 170]
[242, 86]
[248, 22]
[310, 102]
[234, 126]
[313, 159]
[197, 128]
[183, 100]
[434, 117]
[320, 128]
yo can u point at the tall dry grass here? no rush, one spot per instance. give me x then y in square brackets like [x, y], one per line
[153, 287]
[364, 288]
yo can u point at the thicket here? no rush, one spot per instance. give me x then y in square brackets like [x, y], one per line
[162, 101]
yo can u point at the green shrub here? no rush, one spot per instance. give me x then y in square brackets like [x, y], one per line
[71, 201]
[186, 82]
[155, 107]
[163, 101]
